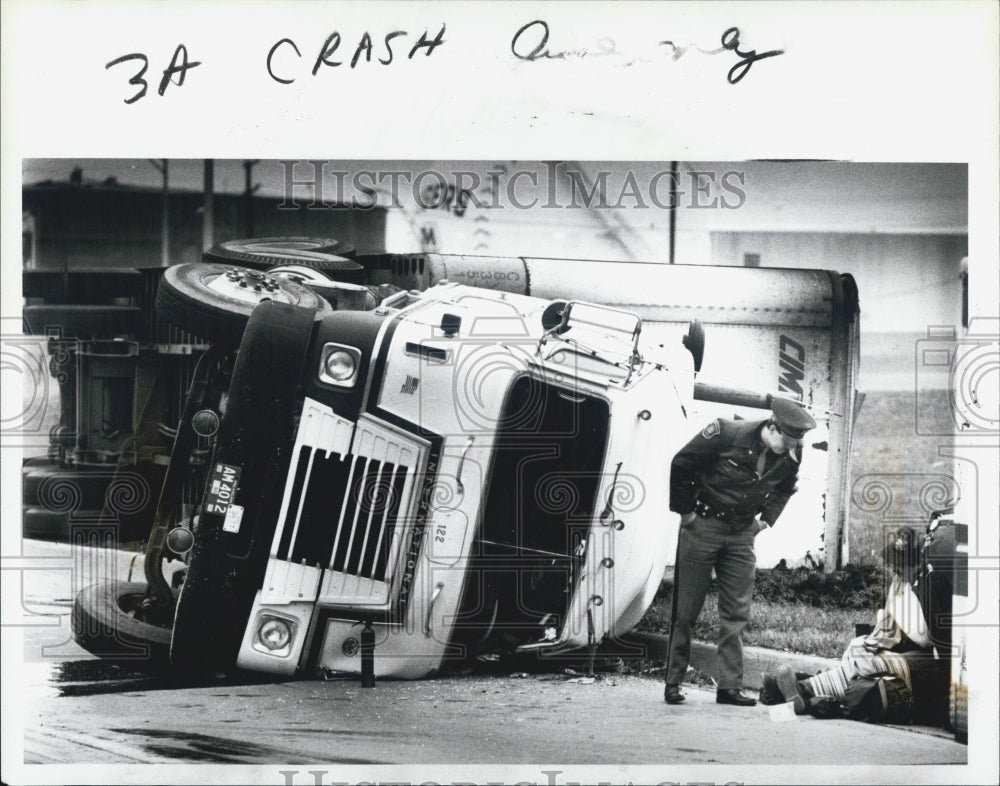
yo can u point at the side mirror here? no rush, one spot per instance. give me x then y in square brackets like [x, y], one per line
[552, 317]
[695, 343]
[450, 324]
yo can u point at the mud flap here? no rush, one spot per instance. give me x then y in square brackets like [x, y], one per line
[253, 450]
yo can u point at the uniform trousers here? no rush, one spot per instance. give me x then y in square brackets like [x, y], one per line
[704, 544]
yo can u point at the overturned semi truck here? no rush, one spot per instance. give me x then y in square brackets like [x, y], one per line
[409, 462]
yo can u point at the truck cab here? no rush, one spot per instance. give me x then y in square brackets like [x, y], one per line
[494, 479]
[455, 471]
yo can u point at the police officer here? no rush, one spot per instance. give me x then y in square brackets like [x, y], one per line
[729, 483]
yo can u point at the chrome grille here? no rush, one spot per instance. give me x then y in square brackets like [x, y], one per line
[364, 548]
[346, 503]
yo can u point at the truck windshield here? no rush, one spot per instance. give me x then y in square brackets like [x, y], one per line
[539, 506]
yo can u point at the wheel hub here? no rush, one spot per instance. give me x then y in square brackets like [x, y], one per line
[248, 286]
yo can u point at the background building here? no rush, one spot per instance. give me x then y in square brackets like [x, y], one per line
[900, 229]
[80, 221]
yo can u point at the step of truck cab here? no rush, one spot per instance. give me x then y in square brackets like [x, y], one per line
[90, 527]
[81, 322]
[54, 487]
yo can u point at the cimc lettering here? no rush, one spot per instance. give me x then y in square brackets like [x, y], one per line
[792, 362]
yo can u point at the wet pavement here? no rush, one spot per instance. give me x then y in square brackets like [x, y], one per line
[90, 711]
[67, 710]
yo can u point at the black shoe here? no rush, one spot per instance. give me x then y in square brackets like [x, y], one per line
[803, 693]
[785, 678]
[782, 685]
[770, 691]
[672, 694]
[733, 696]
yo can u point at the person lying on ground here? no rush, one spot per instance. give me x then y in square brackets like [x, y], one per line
[901, 670]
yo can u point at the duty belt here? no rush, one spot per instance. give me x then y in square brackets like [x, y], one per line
[707, 511]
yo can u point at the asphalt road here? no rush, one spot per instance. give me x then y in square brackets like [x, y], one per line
[72, 709]
[79, 711]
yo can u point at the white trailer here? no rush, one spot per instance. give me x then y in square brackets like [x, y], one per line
[769, 331]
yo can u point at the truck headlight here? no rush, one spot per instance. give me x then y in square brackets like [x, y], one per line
[339, 365]
[274, 633]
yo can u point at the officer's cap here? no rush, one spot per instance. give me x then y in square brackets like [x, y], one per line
[791, 417]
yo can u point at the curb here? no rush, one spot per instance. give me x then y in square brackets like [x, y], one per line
[107, 564]
[756, 660]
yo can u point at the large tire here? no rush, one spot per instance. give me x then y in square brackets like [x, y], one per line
[104, 624]
[257, 434]
[214, 301]
[318, 253]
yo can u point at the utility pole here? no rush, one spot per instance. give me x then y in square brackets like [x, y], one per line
[248, 192]
[208, 210]
[673, 209]
[163, 167]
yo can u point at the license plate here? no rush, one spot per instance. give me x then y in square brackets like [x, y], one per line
[221, 488]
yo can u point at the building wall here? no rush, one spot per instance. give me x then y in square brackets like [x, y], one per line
[907, 282]
[115, 227]
[899, 229]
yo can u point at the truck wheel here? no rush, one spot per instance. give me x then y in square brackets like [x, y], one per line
[105, 623]
[260, 253]
[257, 434]
[214, 301]
[341, 295]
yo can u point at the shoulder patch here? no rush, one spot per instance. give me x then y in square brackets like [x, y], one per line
[711, 430]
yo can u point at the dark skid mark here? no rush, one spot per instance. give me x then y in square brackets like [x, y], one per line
[85, 670]
[365, 734]
[100, 688]
[203, 747]
[97, 677]
[186, 754]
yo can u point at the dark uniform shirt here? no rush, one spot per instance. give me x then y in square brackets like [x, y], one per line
[718, 468]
